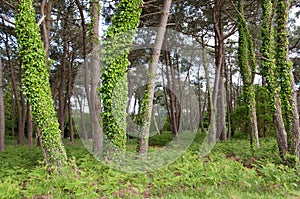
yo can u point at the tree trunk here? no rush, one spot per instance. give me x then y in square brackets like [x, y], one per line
[46, 8]
[95, 83]
[221, 111]
[61, 91]
[149, 93]
[86, 65]
[114, 79]
[269, 71]
[80, 101]
[69, 95]
[36, 85]
[285, 67]
[247, 64]
[29, 126]
[295, 144]
[15, 93]
[2, 111]
[219, 57]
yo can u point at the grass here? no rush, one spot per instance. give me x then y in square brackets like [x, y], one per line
[232, 170]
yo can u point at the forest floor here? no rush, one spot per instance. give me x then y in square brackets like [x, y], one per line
[231, 170]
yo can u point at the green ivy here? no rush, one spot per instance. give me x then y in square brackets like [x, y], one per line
[284, 68]
[35, 83]
[268, 52]
[114, 80]
[247, 64]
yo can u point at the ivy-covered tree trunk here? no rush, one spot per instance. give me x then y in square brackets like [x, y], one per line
[2, 112]
[114, 80]
[284, 67]
[247, 64]
[147, 104]
[269, 71]
[36, 86]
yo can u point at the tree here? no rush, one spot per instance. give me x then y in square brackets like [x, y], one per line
[36, 86]
[247, 64]
[269, 71]
[147, 103]
[286, 80]
[2, 112]
[278, 72]
[114, 80]
[95, 84]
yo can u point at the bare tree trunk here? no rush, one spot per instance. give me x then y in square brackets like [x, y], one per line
[95, 96]
[24, 111]
[15, 92]
[279, 125]
[29, 126]
[170, 92]
[46, 7]
[61, 90]
[221, 107]
[69, 95]
[2, 111]
[71, 129]
[149, 93]
[219, 58]
[86, 66]
[81, 105]
[221, 111]
[12, 115]
[295, 144]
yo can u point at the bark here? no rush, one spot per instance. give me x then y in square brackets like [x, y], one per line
[2, 111]
[61, 91]
[12, 115]
[171, 104]
[207, 79]
[221, 106]
[95, 81]
[288, 95]
[29, 126]
[221, 111]
[46, 8]
[201, 122]
[219, 58]
[69, 95]
[86, 66]
[295, 145]
[149, 94]
[269, 72]
[21, 134]
[280, 128]
[80, 101]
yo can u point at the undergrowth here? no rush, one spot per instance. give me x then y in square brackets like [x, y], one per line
[231, 170]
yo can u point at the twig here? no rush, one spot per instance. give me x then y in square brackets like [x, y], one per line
[6, 19]
[41, 20]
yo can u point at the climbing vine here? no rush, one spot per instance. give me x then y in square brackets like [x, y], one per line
[115, 59]
[247, 64]
[268, 52]
[35, 83]
[284, 67]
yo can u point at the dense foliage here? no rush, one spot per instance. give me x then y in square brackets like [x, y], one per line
[230, 171]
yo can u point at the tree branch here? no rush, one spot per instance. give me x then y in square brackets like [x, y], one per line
[6, 19]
